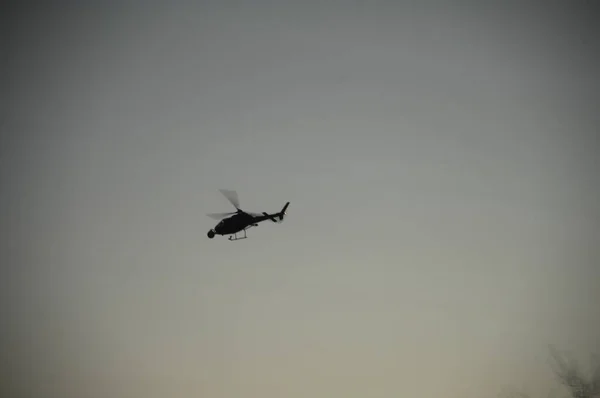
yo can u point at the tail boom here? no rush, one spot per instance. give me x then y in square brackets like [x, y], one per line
[277, 216]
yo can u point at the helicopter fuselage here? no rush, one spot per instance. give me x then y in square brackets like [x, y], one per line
[233, 224]
[238, 222]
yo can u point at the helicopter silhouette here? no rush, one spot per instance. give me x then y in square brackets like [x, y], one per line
[236, 221]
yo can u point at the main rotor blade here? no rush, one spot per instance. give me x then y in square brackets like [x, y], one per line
[218, 216]
[232, 197]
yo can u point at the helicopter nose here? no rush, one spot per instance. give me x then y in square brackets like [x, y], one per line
[211, 234]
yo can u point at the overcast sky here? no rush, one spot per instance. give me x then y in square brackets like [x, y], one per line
[441, 164]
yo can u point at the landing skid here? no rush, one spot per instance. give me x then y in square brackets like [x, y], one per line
[235, 237]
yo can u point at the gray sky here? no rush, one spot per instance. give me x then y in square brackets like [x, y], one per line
[441, 167]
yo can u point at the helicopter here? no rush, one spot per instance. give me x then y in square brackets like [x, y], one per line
[237, 221]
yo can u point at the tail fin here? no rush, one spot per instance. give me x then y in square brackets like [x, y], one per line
[282, 212]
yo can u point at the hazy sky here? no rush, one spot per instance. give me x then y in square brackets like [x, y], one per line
[441, 164]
